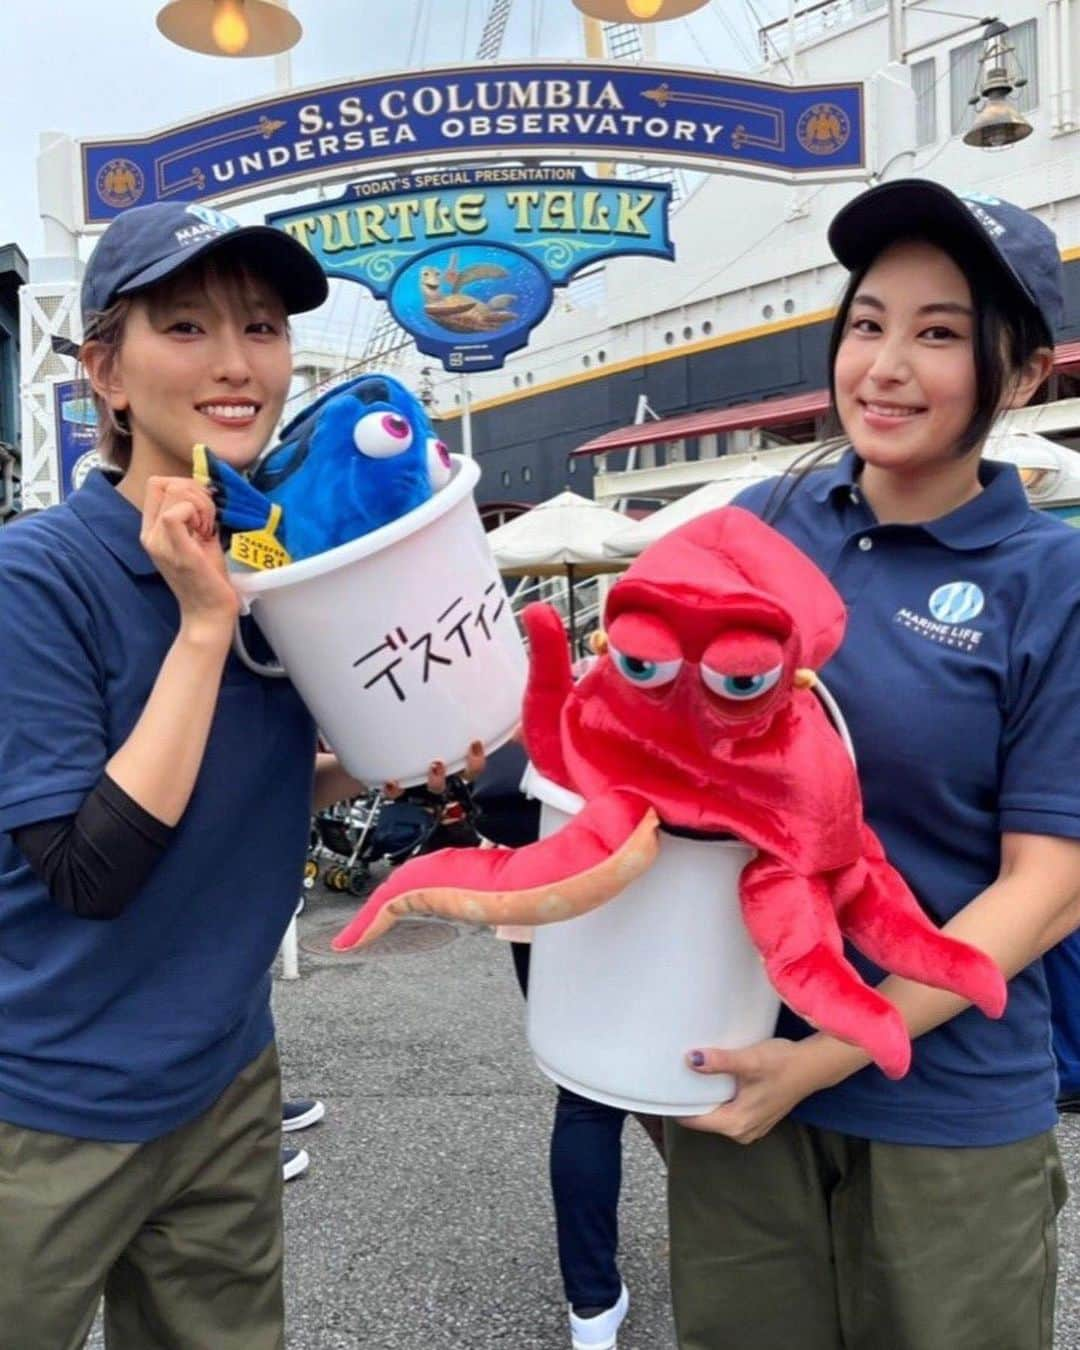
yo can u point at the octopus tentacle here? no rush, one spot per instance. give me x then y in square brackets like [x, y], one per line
[548, 689]
[791, 922]
[611, 842]
[883, 919]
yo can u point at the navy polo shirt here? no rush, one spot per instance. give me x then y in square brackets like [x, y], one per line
[125, 1029]
[958, 679]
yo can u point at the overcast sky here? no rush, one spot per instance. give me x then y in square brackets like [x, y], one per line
[101, 68]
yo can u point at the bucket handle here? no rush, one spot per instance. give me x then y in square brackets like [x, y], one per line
[836, 717]
[275, 672]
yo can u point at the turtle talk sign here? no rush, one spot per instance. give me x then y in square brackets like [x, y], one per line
[467, 259]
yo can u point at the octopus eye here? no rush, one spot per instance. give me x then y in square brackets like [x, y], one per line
[645, 674]
[381, 435]
[740, 687]
[439, 463]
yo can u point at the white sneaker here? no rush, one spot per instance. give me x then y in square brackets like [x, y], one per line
[299, 1114]
[294, 1161]
[599, 1332]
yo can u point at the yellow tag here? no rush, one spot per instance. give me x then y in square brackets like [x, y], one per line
[200, 469]
[258, 549]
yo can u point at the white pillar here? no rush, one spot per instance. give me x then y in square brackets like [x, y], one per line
[466, 419]
[48, 308]
[1054, 62]
[1070, 58]
[290, 953]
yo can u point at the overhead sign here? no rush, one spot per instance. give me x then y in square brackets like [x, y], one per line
[75, 428]
[467, 258]
[687, 118]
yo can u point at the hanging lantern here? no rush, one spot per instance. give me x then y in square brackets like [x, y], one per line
[230, 27]
[997, 121]
[638, 11]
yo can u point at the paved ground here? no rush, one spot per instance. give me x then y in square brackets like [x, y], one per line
[424, 1222]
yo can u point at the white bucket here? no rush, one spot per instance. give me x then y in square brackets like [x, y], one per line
[619, 995]
[402, 643]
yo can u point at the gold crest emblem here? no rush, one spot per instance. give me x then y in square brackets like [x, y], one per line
[120, 183]
[823, 129]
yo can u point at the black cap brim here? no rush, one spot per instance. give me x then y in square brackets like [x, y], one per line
[270, 253]
[911, 208]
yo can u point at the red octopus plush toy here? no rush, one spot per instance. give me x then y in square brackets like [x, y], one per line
[700, 714]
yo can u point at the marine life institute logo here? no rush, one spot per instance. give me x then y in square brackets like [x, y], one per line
[953, 607]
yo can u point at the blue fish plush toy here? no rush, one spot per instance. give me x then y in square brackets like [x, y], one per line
[354, 460]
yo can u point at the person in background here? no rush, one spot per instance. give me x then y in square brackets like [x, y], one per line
[586, 1136]
[1062, 966]
[298, 1114]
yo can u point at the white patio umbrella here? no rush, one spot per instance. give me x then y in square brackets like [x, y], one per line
[563, 536]
[1050, 472]
[636, 535]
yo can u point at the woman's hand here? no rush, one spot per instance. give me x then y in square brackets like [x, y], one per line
[179, 535]
[770, 1078]
[475, 762]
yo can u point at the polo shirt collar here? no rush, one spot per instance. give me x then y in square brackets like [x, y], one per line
[114, 520]
[1000, 509]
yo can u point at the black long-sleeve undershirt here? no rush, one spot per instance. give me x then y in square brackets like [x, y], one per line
[95, 862]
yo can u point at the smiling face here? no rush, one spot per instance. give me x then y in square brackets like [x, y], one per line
[205, 358]
[905, 367]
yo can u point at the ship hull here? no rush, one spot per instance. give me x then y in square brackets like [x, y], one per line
[525, 441]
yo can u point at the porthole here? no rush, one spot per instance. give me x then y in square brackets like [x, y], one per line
[706, 327]
[526, 474]
[601, 356]
[586, 361]
[687, 333]
[669, 337]
[767, 312]
[789, 306]
[506, 480]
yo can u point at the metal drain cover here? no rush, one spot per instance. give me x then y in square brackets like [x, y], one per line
[404, 939]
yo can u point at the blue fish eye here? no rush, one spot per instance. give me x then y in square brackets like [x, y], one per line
[644, 673]
[740, 688]
[381, 435]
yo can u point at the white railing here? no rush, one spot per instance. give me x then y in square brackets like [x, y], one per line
[554, 590]
[776, 39]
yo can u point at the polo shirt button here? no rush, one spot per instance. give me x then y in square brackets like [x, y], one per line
[855, 495]
[866, 543]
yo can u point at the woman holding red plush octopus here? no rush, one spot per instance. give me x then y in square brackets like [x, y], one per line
[827, 1206]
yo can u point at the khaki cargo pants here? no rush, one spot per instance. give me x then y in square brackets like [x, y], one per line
[810, 1240]
[182, 1234]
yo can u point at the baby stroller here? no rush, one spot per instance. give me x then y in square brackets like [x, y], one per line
[376, 828]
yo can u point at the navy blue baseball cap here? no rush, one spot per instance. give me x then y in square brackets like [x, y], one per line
[1016, 243]
[148, 243]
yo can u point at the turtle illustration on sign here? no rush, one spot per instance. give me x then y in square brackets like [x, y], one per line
[447, 303]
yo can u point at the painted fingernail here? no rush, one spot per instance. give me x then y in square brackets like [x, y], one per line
[697, 1059]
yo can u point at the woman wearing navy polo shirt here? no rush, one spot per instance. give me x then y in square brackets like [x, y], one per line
[826, 1206]
[146, 779]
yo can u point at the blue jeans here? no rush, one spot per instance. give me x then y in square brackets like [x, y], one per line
[586, 1174]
